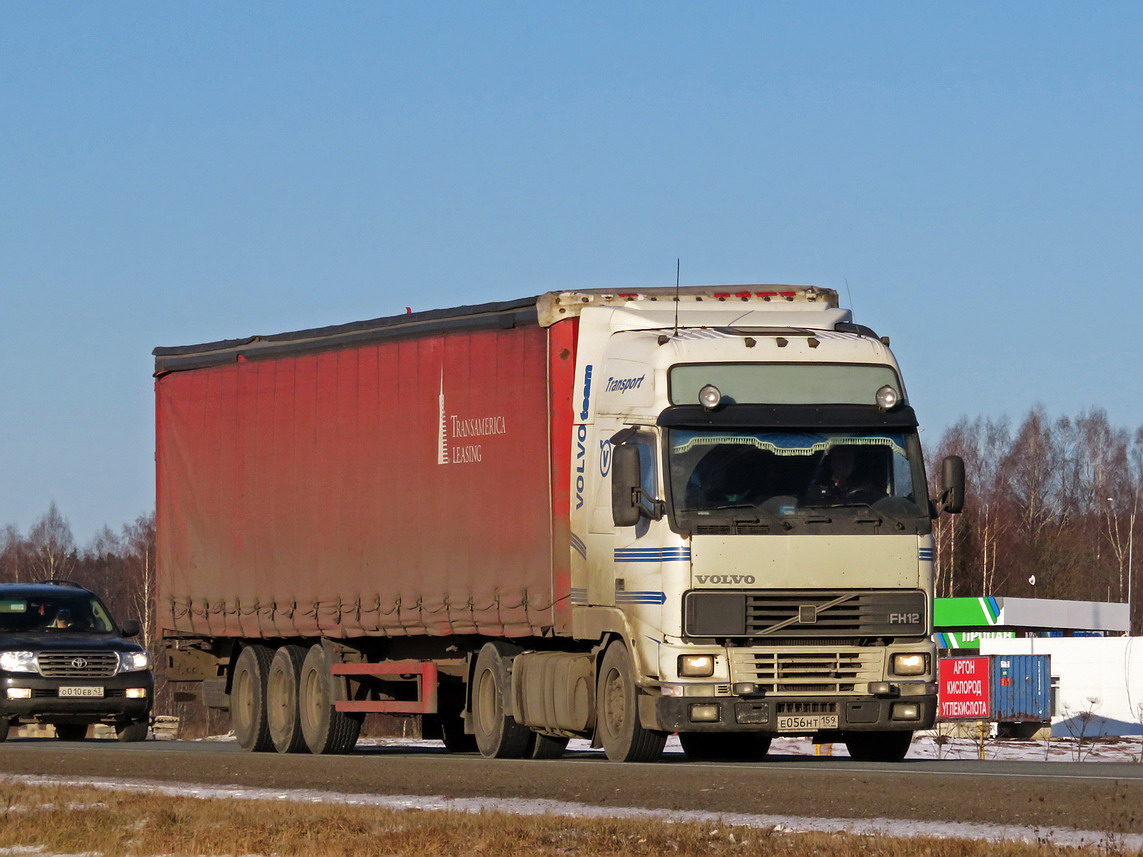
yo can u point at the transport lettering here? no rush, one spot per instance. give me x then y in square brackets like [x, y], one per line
[622, 385]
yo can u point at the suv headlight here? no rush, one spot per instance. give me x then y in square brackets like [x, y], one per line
[18, 662]
[134, 661]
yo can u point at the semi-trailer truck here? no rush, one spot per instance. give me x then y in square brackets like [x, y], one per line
[612, 515]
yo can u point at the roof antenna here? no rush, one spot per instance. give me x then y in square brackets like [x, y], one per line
[848, 295]
[678, 268]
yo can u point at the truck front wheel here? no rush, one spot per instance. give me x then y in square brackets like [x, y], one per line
[248, 699]
[878, 746]
[282, 710]
[623, 737]
[498, 735]
[325, 729]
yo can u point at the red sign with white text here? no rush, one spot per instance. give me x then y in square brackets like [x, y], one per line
[963, 689]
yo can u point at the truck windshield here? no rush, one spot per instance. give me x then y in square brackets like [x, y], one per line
[51, 614]
[785, 473]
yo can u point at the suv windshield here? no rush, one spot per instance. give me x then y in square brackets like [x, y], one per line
[63, 612]
[783, 473]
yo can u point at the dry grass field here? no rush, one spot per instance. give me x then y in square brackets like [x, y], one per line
[51, 820]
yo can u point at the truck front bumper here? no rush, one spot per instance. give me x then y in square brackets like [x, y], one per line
[31, 698]
[738, 714]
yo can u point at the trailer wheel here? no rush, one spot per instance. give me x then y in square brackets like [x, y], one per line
[498, 735]
[725, 746]
[623, 737]
[135, 731]
[325, 729]
[878, 746]
[248, 699]
[548, 746]
[71, 731]
[283, 714]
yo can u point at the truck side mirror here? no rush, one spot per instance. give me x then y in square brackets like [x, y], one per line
[625, 480]
[130, 628]
[952, 484]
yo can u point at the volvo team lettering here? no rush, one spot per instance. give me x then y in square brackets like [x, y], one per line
[581, 439]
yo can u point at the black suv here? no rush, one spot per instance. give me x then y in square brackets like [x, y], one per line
[64, 661]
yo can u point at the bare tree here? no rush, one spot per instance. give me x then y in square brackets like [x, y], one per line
[52, 552]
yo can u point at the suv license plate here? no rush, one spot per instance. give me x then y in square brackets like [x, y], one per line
[806, 722]
[81, 691]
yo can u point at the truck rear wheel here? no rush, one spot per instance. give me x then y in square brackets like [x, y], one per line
[623, 737]
[282, 712]
[725, 746]
[325, 729]
[248, 699]
[498, 735]
[878, 746]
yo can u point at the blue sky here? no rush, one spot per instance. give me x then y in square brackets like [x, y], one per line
[966, 175]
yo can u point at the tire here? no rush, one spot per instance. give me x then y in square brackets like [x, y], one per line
[725, 746]
[71, 731]
[548, 746]
[617, 725]
[248, 699]
[283, 717]
[326, 730]
[131, 732]
[878, 746]
[498, 735]
[5, 725]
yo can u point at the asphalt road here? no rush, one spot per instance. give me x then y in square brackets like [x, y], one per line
[1105, 797]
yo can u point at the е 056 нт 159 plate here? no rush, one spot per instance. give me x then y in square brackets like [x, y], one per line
[802, 722]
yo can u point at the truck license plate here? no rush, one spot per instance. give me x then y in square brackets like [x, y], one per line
[81, 691]
[806, 722]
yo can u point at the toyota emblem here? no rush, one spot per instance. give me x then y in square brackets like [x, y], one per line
[79, 663]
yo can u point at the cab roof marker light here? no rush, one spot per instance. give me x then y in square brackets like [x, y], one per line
[887, 398]
[710, 397]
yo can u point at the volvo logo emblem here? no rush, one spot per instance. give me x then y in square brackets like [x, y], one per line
[79, 663]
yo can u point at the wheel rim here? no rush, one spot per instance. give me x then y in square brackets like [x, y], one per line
[310, 704]
[244, 710]
[487, 702]
[614, 703]
[274, 707]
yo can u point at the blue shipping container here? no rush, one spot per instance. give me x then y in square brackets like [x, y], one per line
[1021, 688]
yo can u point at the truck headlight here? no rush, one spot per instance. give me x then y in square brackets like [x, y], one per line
[134, 661]
[18, 662]
[696, 666]
[910, 663]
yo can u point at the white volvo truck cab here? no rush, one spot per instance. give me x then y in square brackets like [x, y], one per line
[751, 522]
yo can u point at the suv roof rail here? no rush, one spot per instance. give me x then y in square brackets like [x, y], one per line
[59, 581]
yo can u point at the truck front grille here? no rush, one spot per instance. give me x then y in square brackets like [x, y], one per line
[805, 672]
[814, 613]
[78, 664]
